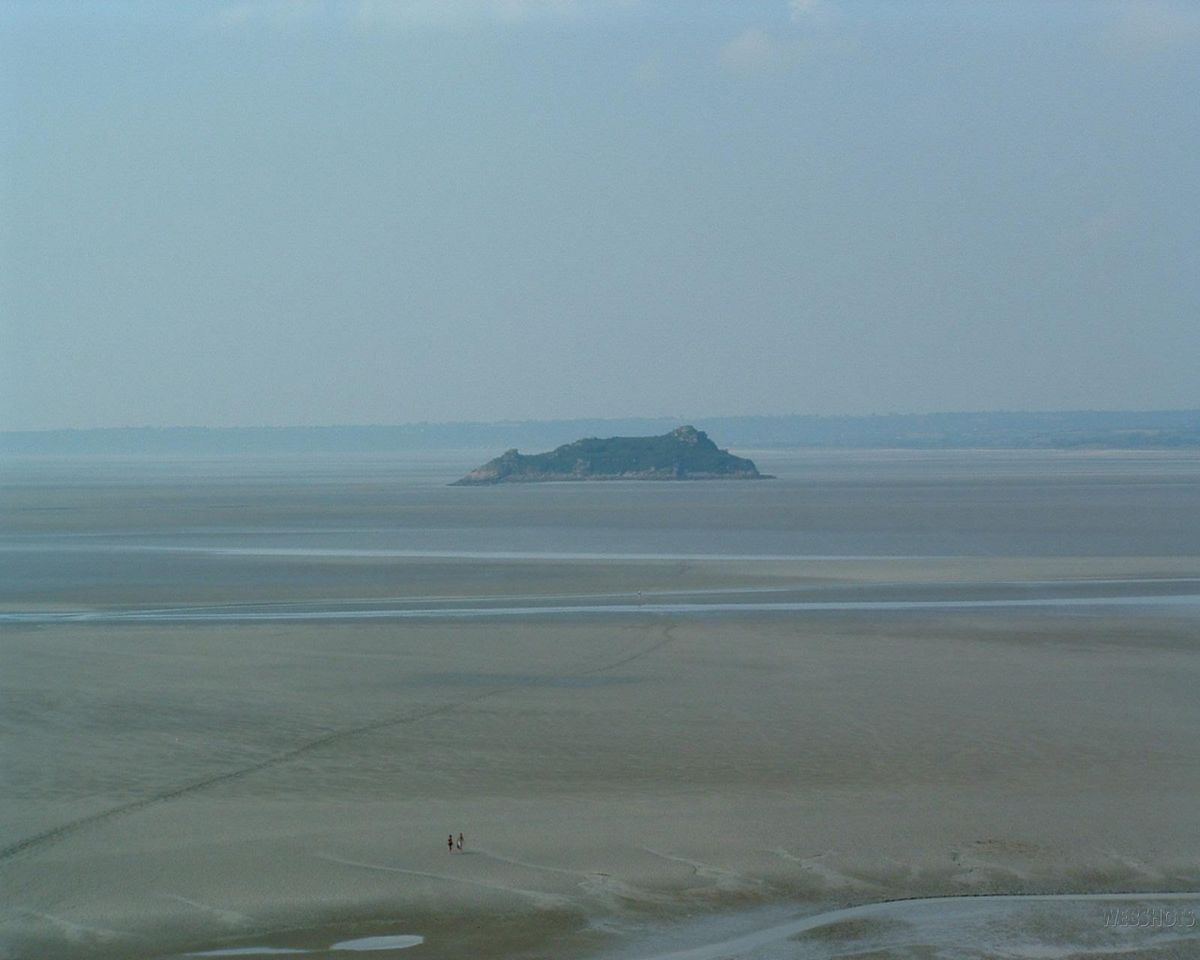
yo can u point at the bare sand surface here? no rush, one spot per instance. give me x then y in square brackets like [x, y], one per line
[1165, 925]
[630, 783]
[176, 788]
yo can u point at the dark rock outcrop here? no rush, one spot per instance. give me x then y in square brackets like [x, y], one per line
[683, 454]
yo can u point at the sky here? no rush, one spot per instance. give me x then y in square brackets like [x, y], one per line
[285, 212]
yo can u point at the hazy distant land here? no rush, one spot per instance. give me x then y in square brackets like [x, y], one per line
[1105, 430]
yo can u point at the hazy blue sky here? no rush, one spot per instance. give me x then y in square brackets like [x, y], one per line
[383, 211]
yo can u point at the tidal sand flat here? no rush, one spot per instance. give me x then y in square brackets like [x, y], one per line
[629, 784]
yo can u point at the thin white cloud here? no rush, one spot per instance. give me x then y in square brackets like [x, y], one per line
[417, 12]
[270, 12]
[801, 9]
[401, 13]
[650, 72]
[751, 51]
[367, 13]
[1146, 26]
[1101, 226]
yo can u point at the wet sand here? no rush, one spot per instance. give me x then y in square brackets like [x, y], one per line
[628, 783]
[207, 780]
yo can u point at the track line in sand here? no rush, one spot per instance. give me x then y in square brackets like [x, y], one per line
[668, 636]
[721, 878]
[540, 899]
[1181, 601]
[740, 946]
[77, 932]
[594, 883]
[56, 834]
[500, 858]
[361, 945]
[231, 918]
[814, 864]
[415, 554]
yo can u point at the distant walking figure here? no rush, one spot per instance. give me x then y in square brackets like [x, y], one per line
[450, 843]
[460, 841]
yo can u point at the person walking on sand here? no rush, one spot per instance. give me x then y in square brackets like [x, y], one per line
[460, 841]
[450, 843]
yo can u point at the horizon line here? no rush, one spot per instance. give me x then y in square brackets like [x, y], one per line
[600, 419]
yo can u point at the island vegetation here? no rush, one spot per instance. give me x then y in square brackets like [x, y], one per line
[683, 454]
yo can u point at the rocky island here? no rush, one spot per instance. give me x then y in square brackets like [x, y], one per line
[683, 454]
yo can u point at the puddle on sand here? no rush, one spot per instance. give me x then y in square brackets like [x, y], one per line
[379, 943]
[245, 952]
[362, 945]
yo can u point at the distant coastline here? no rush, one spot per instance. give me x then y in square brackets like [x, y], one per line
[1050, 430]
